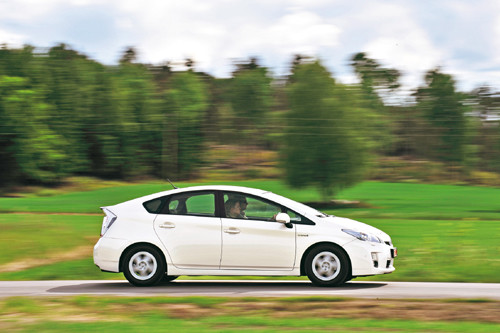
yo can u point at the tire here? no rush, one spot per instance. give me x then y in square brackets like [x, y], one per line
[144, 266]
[169, 278]
[327, 266]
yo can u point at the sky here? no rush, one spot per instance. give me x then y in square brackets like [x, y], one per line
[462, 37]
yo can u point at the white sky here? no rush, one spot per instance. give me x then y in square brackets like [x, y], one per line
[413, 36]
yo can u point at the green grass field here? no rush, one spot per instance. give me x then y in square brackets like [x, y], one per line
[443, 233]
[389, 200]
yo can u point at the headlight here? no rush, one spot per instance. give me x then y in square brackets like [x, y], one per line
[362, 236]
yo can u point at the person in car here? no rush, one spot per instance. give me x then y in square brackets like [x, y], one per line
[243, 205]
[234, 209]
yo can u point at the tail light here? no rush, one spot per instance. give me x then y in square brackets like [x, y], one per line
[108, 220]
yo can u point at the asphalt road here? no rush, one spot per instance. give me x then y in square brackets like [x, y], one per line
[408, 290]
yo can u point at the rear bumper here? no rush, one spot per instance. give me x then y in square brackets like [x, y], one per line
[107, 253]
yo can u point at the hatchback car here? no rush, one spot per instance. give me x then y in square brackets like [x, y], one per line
[229, 230]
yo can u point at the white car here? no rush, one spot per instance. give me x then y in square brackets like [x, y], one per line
[230, 230]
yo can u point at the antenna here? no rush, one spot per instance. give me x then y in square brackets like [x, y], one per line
[175, 187]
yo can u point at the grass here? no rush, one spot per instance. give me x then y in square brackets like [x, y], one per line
[443, 233]
[37, 236]
[390, 200]
[443, 250]
[424, 201]
[158, 322]
[194, 314]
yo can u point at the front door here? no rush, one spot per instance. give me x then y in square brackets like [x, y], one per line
[251, 239]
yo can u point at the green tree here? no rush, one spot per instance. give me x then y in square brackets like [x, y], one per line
[441, 105]
[321, 147]
[375, 78]
[486, 103]
[184, 105]
[136, 127]
[377, 83]
[31, 151]
[250, 95]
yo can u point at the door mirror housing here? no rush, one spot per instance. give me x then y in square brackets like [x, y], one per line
[285, 219]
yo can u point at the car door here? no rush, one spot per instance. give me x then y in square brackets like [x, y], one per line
[190, 230]
[252, 240]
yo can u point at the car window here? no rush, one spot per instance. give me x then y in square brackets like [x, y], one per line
[241, 206]
[199, 204]
[297, 218]
[294, 217]
[153, 206]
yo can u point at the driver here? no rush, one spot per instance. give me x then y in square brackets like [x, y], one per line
[234, 209]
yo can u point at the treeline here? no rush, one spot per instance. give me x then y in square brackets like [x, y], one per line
[64, 114]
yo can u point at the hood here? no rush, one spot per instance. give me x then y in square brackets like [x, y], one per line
[345, 223]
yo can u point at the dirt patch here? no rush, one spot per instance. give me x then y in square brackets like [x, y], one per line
[80, 252]
[365, 309]
[90, 309]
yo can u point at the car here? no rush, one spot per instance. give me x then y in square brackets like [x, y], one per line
[231, 231]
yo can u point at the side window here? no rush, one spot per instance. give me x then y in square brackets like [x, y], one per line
[293, 216]
[297, 218]
[153, 206]
[197, 204]
[239, 206]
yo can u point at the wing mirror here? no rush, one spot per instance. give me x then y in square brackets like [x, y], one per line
[285, 219]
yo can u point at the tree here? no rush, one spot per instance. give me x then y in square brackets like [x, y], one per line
[129, 55]
[30, 150]
[184, 104]
[487, 110]
[321, 148]
[374, 78]
[136, 130]
[377, 83]
[251, 99]
[442, 107]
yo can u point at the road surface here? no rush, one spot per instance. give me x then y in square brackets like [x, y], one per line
[239, 288]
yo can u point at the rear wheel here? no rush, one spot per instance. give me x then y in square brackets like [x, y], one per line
[327, 266]
[143, 266]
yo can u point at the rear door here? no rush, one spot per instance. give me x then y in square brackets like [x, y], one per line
[190, 230]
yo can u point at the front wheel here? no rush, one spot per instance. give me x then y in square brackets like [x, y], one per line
[144, 266]
[327, 266]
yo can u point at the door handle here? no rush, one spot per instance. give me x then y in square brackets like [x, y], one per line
[232, 231]
[167, 225]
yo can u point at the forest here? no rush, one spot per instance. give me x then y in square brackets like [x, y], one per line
[63, 114]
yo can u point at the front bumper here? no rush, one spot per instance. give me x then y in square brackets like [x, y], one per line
[368, 258]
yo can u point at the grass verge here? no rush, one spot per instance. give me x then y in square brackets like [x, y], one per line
[192, 314]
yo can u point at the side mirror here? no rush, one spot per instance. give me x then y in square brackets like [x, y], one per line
[285, 219]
